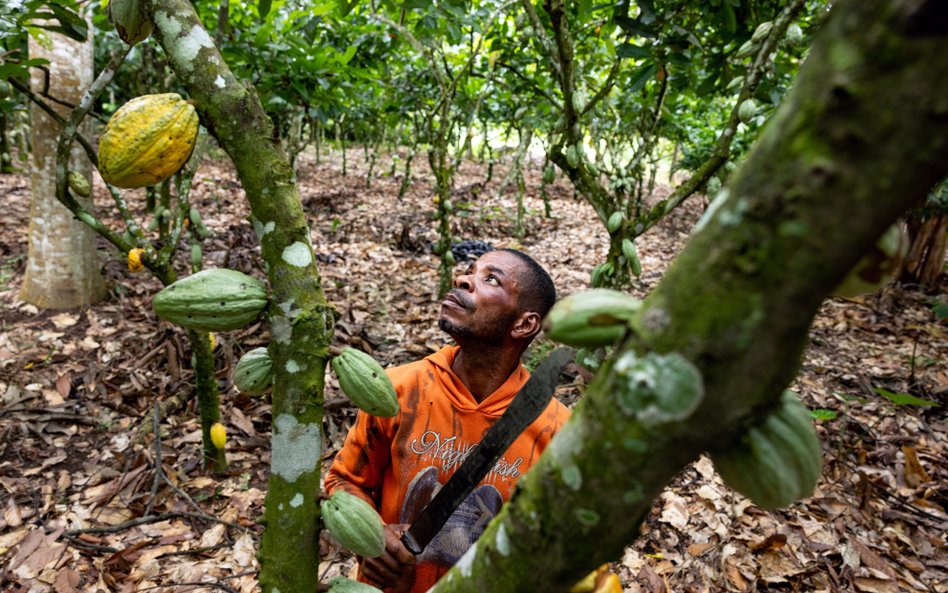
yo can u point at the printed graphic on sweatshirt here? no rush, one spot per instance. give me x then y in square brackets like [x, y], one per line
[451, 453]
[463, 527]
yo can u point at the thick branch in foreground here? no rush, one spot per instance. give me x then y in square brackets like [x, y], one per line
[861, 138]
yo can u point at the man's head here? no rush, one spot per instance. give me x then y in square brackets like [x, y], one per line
[501, 298]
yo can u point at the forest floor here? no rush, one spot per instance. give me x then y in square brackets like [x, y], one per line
[82, 509]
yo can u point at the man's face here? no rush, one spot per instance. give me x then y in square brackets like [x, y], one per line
[483, 305]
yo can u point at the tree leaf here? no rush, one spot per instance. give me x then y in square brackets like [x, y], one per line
[940, 308]
[639, 78]
[904, 399]
[263, 8]
[823, 414]
[628, 50]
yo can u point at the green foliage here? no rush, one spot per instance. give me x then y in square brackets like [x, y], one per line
[937, 202]
[940, 308]
[904, 399]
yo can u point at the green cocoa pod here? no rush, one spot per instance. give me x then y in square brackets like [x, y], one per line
[593, 170]
[595, 277]
[735, 83]
[364, 381]
[632, 256]
[761, 32]
[777, 461]
[592, 318]
[79, 184]
[449, 257]
[747, 110]
[197, 256]
[130, 19]
[714, 187]
[217, 299]
[572, 156]
[344, 585]
[748, 49]
[354, 523]
[253, 374]
[878, 267]
[615, 221]
[794, 34]
[197, 223]
[549, 174]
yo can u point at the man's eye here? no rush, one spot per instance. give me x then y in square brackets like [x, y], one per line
[493, 279]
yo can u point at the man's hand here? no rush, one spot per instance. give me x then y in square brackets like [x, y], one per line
[394, 570]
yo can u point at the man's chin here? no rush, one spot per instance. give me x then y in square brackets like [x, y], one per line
[452, 329]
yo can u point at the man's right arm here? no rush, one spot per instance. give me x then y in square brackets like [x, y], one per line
[361, 463]
[358, 469]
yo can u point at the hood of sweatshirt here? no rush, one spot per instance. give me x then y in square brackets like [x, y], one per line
[494, 404]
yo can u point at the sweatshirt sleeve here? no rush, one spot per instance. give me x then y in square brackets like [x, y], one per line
[361, 463]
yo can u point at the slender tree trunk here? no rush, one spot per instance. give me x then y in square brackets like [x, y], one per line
[721, 337]
[300, 320]
[406, 178]
[62, 270]
[6, 157]
[926, 256]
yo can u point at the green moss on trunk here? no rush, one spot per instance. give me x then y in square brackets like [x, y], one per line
[208, 397]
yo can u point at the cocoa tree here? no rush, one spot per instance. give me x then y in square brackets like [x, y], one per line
[612, 88]
[730, 317]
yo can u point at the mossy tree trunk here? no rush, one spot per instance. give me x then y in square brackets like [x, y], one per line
[860, 139]
[301, 320]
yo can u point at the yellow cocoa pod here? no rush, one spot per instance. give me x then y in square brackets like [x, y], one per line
[601, 580]
[218, 435]
[147, 140]
[135, 260]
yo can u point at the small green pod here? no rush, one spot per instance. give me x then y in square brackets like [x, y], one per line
[365, 382]
[354, 523]
[592, 318]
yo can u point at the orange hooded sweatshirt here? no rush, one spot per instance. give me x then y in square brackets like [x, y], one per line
[399, 463]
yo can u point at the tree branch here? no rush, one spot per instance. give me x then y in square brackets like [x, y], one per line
[826, 178]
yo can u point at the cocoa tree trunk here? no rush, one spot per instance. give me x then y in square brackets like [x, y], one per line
[6, 157]
[860, 139]
[62, 269]
[928, 237]
[301, 321]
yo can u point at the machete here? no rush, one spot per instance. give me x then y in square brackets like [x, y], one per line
[532, 399]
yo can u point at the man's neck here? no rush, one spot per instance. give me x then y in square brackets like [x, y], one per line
[483, 369]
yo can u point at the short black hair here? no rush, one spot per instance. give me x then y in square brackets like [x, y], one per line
[538, 293]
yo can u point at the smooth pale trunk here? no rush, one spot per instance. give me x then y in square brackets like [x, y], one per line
[62, 270]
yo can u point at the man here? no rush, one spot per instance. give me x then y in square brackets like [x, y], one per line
[448, 400]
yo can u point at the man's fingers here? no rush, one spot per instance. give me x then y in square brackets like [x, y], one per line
[394, 545]
[394, 564]
[378, 573]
